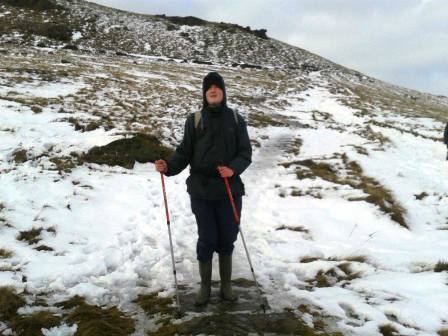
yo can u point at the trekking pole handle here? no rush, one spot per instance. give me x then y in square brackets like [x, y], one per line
[229, 193]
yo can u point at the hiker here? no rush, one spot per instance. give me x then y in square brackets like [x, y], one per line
[216, 145]
[445, 138]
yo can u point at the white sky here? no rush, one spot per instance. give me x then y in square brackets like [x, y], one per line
[404, 42]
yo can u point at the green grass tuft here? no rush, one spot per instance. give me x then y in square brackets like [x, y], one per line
[441, 266]
[153, 304]
[73, 302]
[388, 330]
[5, 254]
[124, 152]
[31, 236]
[98, 321]
[9, 303]
[31, 325]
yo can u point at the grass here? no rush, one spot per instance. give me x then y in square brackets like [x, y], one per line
[308, 259]
[258, 119]
[36, 109]
[443, 332]
[56, 29]
[292, 228]
[243, 283]
[31, 325]
[73, 302]
[377, 137]
[5, 254]
[294, 146]
[153, 304]
[31, 236]
[4, 222]
[285, 323]
[360, 259]
[63, 164]
[44, 248]
[366, 96]
[9, 303]
[97, 321]
[324, 279]
[340, 274]
[421, 196]
[320, 169]
[40, 5]
[124, 152]
[20, 156]
[388, 330]
[84, 127]
[349, 273]
[403, 130]
[94, 320]
[377, 193]
[441, 266]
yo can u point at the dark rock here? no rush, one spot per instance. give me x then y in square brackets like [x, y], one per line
[250, 66]
[70, 47]
[309, 67]
[187, 20]
[202, 62]
[261, 33]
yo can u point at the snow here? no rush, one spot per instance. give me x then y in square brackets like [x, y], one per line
[63, 330]
[111, 241]
[76, 35]
[38, 89]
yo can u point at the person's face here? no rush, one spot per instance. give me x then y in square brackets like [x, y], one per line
[214, 95]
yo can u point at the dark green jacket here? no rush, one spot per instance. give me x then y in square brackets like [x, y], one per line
[222, 140]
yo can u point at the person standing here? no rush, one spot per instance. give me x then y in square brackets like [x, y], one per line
[216, 145]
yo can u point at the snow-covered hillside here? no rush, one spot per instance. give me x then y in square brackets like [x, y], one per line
[345, 217]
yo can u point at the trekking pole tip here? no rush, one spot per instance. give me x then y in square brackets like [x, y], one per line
[264, 308]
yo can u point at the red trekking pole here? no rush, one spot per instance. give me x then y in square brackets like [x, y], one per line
[237, 219]
[171, 243]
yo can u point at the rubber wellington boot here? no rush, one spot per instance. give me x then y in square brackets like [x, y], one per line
[225, 271]
[205, 271]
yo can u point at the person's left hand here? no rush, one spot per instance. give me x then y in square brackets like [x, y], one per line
[225, 171]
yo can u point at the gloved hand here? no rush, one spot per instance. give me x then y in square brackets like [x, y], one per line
[225, 171]
[161, 166]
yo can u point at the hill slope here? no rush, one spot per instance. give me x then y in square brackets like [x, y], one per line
[346, 213]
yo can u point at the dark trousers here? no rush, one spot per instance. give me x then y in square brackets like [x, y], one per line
[217, 228]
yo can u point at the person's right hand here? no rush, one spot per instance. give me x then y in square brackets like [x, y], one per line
[161, 166]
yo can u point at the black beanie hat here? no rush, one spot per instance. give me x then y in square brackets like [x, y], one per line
[209, 80]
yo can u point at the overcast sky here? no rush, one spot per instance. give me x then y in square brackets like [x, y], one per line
[404, 42]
